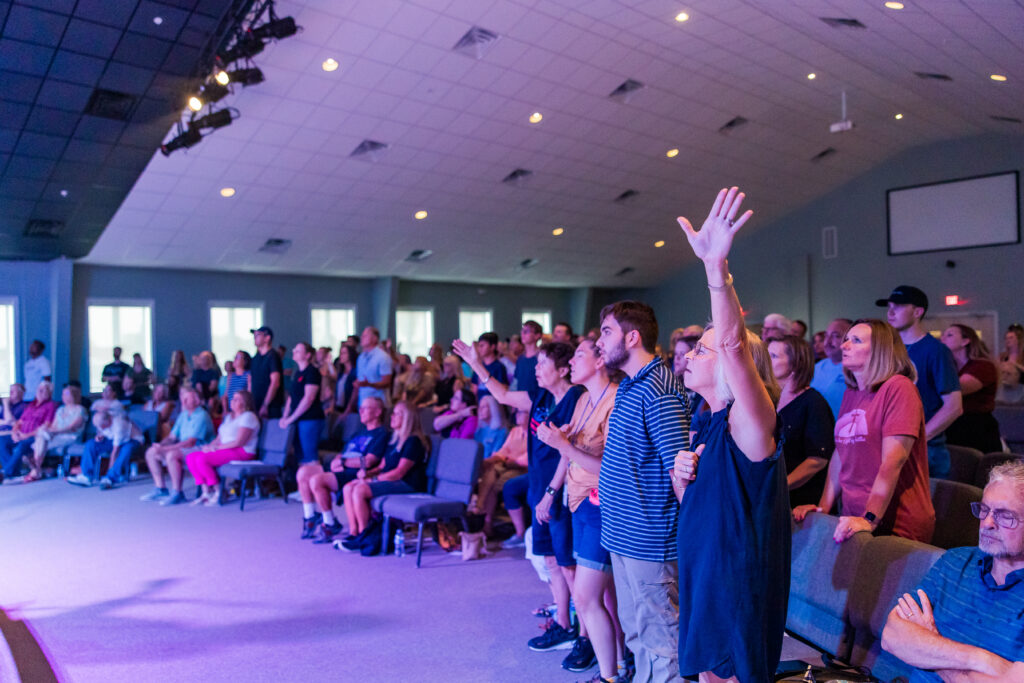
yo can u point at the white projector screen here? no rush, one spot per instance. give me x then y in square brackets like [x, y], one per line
[954, 214]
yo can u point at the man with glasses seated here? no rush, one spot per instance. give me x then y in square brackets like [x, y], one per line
[966, 622]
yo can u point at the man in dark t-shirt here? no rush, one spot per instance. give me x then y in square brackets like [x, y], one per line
[526, 364]
[487, 347]
[267, 394]
[113, 373]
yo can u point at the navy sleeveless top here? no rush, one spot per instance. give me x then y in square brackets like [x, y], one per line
[734, 554]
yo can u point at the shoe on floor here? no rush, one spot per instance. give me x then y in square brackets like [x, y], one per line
[79, 480]
[513, 542]
[309, 525]
[598, 678]
[106, 483]
[155, 494]
[350, 544]
[10, 481]
[176, 498]
[582, 656]
[554, 638]
[327, 532]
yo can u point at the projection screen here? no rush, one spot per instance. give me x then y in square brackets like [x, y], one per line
[955, 214]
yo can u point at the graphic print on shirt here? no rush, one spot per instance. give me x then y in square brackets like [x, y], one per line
[852, 427]
[538, 417]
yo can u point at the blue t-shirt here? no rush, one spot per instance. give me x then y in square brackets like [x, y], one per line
[414, 451]
[492, 438]
[16, 410]
[373, 366]
[543, 459]
[526, 373]
[830, 383]
[936, 372]
[496, 370]
[195, 425]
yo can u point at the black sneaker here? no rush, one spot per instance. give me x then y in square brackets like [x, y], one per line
[327, 532]
[310, 524]
[351, 544]
[554, 638]
[582, 656]
[629, 671]
[598, 678]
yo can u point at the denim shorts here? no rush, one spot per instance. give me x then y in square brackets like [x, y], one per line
[514, 492]
[555, 537]
[586, 538]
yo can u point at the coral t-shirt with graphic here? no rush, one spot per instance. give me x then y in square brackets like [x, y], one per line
[865, 418]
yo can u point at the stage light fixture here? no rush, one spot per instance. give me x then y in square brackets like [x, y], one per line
[214, 92]
[246, 77]
[222, 77]
[246, 47]
[276, 28]
[194, 103]
[217, 119]
[187, 138]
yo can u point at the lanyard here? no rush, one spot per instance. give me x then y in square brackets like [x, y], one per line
[586, 416]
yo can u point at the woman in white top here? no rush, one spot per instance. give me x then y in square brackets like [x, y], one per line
[65, 428]
[236, 440]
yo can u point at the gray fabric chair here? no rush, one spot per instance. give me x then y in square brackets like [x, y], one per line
[1011, 426]
[963, 463]
[273, 455]
[822, 576]
[990, 460]
[427, 416]
[456, 468]
[955, 526]
[896, 566]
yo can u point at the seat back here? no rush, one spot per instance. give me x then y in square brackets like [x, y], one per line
[147, 421]
[822, 575]
[457, 469]
[435, 448]
[896, 566]
[427, 416]
[955, 526]
[990, 460]
[963, 463]
[1011, 425]
[275, 442]
[349, 427]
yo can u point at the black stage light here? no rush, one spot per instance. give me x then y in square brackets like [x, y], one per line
[189, 137]
[217, 119]
[214, 92]
[246, 47]
[276, 28]
[246, 76]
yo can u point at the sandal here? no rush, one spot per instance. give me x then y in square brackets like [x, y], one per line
[32, 476]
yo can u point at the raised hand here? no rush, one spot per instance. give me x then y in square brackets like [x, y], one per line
[466, 352]
[713, 242]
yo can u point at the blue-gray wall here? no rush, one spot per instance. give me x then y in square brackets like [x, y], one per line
[42, 292]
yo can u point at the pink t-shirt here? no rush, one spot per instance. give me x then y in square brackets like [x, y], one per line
[865, 418]
[462, 430]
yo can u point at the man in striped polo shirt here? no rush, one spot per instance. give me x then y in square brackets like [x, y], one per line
[649, 425]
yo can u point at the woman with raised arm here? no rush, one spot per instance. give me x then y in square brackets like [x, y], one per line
[734, 525]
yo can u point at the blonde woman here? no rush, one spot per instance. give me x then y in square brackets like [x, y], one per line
[492, 428]
[65, 428]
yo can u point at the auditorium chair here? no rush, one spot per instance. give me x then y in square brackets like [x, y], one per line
[456, 467]
[273, 456]
[990, 460]
[1011, 426]
[894, 566]
[427, 416]
[963, 464]
[955, 526]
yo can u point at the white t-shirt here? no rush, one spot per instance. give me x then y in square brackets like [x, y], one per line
[35, 370]
[230, 427]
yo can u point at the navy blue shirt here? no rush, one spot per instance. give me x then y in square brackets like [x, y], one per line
[366, 442]
[936, 372]
[495, 369]
[526, 373]
[263, 364]
[543, 459]
[310, 377]
[413, 451]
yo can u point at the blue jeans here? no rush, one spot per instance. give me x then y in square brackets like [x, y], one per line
[96, 450]
[307, 437]
[938, 458]
[11, 454]
[514, 492]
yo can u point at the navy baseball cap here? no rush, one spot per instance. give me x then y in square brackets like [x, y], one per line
[265, 330]
[905, 294]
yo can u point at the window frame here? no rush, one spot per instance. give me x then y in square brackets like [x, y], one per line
[475, 309]
[16, 377]
[334, 307]
[416, 309]
[230, 303]
[119, 302]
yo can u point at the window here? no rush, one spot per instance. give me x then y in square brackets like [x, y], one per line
[331, 325]
[8, 362]
[473, 322]
[128, 324]
[543, 318]
[229, 328]
[414, 330]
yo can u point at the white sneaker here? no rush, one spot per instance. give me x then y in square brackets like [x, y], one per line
[80, 480]
[155, 494]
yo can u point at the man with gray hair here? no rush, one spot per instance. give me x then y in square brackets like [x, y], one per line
[776, 326]
[965, 623]
[118, 438]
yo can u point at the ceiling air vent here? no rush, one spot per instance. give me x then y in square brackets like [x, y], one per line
[932, 77]
[827, 152]
[733, 124]
[37, 227]
[624, 93]
[1005, 119]
[841, 22]
[276, 245]
[418, 255]
[476, 42]
[625, 271]
[526, 264]
[369, 150]
[627, 197]
[110, 104]
[517, 177]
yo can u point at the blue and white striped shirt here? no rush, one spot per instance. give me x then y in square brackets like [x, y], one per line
[649, 425]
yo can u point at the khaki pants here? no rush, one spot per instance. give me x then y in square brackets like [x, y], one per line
[648, 596]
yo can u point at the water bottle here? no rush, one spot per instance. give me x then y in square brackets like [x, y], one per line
[399, 543]
[133, 471]
[60, 471]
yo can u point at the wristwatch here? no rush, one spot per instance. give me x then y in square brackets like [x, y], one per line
[872, 519]
[550, 491]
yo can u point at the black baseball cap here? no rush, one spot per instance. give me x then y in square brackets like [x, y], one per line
[905, 294]
[265, 330]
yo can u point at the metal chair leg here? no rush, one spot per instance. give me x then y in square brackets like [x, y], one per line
[386, 527]
[241, 493]
[280, 483]
[419, 545]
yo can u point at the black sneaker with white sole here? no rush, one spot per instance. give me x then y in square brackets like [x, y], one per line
[582, 656]
[554, 638]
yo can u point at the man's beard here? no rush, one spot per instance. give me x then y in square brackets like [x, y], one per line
[616, 357]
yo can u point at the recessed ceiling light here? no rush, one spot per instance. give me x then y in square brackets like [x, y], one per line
[811, 76]
[420, 215]
[894, 5]
[536, 117]
[194, 103]
[63, 193]
[158, 20]
[329, 64]
[672, 152]
[682, 16]
[898, 117]
[659, 244]
[227, 192]
[557, 231]
[998, 77]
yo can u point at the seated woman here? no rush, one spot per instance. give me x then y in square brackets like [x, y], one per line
[807, 422]
[491, 426]
[880, 466]
[192, 430]
[403, 470]
[452, 379]
[236, 439]
[108, 402]
[979, 380]
[65, 428]
[205, 378]
[734, 526]
[459, 421]
[507, 462]
[18, 443]
[165, 408]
